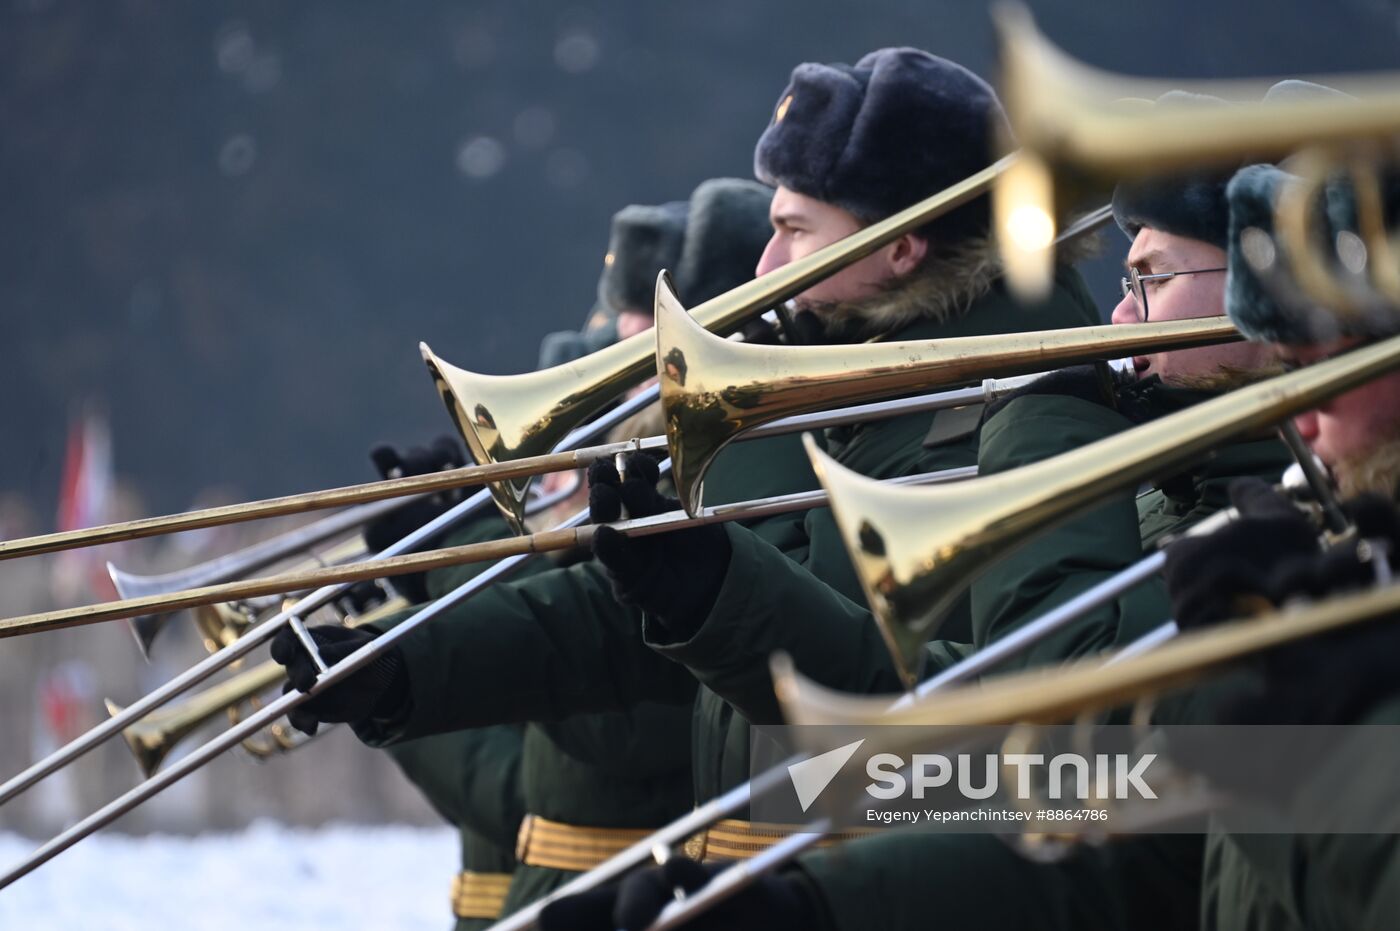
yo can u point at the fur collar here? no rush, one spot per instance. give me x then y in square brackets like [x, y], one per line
[944, 288]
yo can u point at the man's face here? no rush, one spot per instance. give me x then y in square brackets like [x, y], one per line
[1358, 433]
[1179, 298]
[632, 322]
[801, 226]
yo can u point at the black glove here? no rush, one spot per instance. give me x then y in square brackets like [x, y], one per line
[675, 576]
[443, 453]
[773, 903]
[1335, 678]
[1265, 559]
[1270, 557]
[1348, 565]
[378, 690]
[1094, 383]
[1224, 574]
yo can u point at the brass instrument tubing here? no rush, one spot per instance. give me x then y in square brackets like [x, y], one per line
[264, 631]
[490, 550]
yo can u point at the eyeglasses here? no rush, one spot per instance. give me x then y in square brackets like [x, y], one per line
[1133, 284]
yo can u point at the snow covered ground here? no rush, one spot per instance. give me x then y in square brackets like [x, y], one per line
[267, 878]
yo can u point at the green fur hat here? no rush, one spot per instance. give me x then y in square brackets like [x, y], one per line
[1260, 296]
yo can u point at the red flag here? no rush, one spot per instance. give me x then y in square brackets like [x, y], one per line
[84, 500]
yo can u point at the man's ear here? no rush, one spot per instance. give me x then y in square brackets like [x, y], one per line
[906, 253]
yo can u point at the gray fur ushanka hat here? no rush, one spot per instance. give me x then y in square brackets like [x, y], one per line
[876, 137]
[725, 235]
[644, 240]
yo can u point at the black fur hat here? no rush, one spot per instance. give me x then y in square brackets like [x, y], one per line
[899, 126]
[725, 235]
[1194, 205]
[1190, 205]
[1275, 310]
[644, 240]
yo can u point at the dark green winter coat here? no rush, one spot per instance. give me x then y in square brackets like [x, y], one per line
[472, 779]
[1329, 882]
[629, 768]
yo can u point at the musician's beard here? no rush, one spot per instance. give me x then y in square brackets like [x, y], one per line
[943, 288]
[1375, 472]
[1223, 378]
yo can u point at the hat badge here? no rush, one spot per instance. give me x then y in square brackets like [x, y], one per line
[782, 109]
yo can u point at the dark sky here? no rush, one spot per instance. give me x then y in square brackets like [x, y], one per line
[230, 224]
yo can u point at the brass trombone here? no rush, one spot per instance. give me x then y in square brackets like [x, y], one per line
[236, 565]
[231, 624]
[1090, 685]
[1038, 696]
[507, 417]
[154, 736]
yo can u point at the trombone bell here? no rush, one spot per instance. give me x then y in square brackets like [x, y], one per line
[146, 627]
[152, 738]
[507, 417]
[148, 743]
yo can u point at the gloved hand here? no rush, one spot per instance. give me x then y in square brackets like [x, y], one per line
[674, 576]
[776, 902]
[1225, 574]
[1268, 558]
[1345, 566]
[378, 690]
[1094, 383]
[443, 453]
